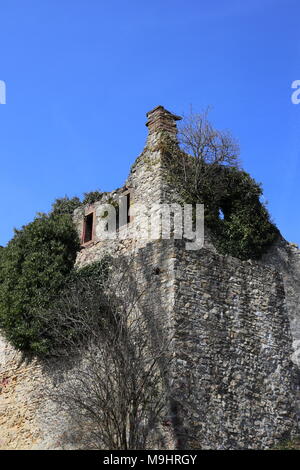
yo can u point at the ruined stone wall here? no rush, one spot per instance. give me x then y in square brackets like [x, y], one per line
[148, 188]
[285, 257]
[29, 417]
[145, 185]
[234, 376]
[17, 401]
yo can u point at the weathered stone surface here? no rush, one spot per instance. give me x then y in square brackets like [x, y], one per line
[234, 374]
[285, 257]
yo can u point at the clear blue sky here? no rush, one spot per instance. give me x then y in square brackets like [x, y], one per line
[81, 75]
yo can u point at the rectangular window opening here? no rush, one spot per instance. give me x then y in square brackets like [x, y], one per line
[128, 207]
[124, 204]
[88, 228]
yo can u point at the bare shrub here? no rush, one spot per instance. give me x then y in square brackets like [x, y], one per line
[117, 393]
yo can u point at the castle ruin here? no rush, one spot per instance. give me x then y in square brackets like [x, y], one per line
[235, 365]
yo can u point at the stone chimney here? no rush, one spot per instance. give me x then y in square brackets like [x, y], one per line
[159, 119]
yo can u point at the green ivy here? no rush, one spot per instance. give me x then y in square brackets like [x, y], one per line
[246, 230]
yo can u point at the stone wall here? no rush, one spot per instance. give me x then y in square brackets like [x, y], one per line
[285, 257]
[234, 375]
[29, 418]
[148, 188]
[18, 429]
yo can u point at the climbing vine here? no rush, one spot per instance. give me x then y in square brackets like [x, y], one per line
[238, 221]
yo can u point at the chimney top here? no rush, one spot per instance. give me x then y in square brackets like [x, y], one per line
[160, 119]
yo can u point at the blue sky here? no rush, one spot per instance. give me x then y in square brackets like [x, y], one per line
[80, 76]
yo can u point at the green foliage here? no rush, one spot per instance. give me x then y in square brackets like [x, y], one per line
[33, 269]
[37, 271]
[289, 444]
[65, 205]
[246, 230]
[97, 271]
[2, 251]
[91, 197]
[79, 308]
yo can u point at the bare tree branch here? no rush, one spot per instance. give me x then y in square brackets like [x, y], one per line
[118, 392]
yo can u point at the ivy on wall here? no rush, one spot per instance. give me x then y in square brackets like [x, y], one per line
[244, 229]
[238, 221]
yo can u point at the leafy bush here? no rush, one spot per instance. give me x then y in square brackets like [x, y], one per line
[65, 205]
[37, 271]
[246, 230]
[91, 197]
[33, 269]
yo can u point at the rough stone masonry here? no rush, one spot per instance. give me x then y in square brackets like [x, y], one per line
[236, 327]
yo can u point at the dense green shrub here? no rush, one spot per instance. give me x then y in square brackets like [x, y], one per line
[33, 269]
[91, 197]
[245, 230]
[236, 218]
[65, 205]
[37, 271]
